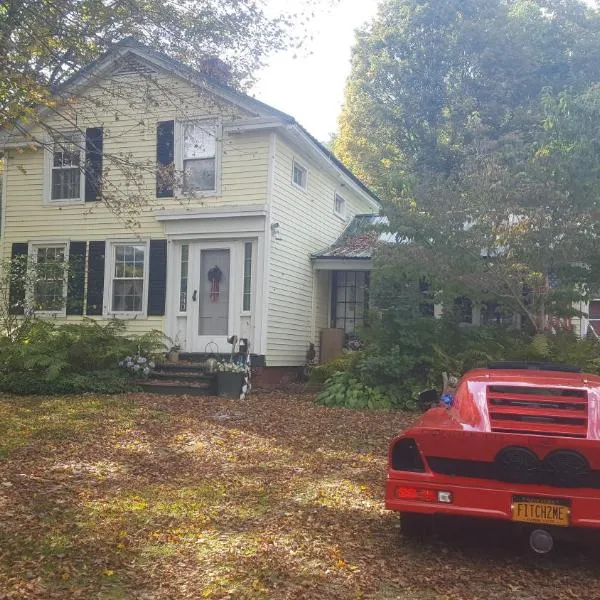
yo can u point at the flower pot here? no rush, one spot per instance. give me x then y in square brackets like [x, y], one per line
[229, 384]
[173, 356]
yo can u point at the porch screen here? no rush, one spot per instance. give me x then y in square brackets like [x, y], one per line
[213, 302]
[350, 299]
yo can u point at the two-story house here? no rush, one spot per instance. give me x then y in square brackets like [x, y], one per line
[190, 208]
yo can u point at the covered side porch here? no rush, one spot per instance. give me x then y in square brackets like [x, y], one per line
[343, 276]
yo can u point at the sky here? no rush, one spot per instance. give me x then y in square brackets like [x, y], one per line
[309, 84]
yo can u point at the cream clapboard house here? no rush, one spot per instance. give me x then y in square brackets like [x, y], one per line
[190, 208]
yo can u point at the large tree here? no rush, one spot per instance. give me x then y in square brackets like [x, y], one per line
[42, 42]
[476, 121]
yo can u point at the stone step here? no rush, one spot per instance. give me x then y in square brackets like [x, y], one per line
[179, 366]
[188, 375]
[177, 388]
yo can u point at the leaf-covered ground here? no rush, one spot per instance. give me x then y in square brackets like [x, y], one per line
[153, 498]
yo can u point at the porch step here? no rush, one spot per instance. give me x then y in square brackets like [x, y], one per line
[179, 367]
[182, 374]
[178, 388]
[258, 360]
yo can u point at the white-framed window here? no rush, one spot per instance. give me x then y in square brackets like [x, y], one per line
[339, 206]
[65, 158]
[247, 287]
[197, 157]
[183, 277]
[48, 288]
[126, 284]
[299, 175]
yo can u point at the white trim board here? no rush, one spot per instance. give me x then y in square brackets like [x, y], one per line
[343, 264]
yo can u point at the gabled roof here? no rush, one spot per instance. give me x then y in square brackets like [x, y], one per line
[130, 46]
[359, 239]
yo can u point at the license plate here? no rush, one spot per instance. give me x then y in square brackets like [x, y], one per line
[545, 511]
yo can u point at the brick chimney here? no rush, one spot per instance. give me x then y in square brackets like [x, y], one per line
[215, 68]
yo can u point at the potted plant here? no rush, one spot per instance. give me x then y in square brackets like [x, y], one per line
[173, 348]
[173, 353]
[230, 378]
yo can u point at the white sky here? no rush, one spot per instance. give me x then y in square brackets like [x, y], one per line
[310, 86]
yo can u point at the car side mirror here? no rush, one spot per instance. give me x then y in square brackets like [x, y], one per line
[428, 398]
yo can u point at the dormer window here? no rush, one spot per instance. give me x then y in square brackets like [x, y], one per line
[299, 175]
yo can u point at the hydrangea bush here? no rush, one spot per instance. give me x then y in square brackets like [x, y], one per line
[231, 367]
[137, 365]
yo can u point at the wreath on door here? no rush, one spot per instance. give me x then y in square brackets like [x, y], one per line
[214, 276]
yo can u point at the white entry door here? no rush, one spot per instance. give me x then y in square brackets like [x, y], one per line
[213, 297]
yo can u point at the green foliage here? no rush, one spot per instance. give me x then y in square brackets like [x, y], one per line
[345, 390]
[404, 357]
[342, 363]
[483, 112]
[104, 382]
[73, 357]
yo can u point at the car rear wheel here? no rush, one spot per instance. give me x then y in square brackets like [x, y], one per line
[415, 525]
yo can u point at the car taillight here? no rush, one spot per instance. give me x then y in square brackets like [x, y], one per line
[424, 495]
[406, 456]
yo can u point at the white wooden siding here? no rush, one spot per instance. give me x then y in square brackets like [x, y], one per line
[128, 109]
[307, 224]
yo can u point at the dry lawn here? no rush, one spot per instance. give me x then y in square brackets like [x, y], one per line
[139, 497]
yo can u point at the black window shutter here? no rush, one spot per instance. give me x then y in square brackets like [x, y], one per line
[18, 273]
[94, 141]
[157, 279]
[165, 157]
[95, 282]
[76, 278]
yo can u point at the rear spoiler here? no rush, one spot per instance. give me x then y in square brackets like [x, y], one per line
[533, 366]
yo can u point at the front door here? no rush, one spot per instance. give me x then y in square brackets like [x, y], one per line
[214, 299]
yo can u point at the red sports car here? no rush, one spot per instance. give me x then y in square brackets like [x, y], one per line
[514, 442]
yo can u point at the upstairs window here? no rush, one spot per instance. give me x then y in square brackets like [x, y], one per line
[73, 166]
[50, 282]
[199, 157]
[67, 162]
[299, 175]
[339, 206]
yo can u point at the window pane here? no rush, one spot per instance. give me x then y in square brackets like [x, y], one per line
[199, 141]
[185, 253]
[65, 183]
[66, 154]
[49, 295]
[350, 300]
[127, 295]
[299, 175]
[247, 276]
[128, 282]
[199, 175]
[49, 286]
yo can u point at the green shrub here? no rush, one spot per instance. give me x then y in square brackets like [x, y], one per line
[344, 389]
[73, 357]
[343, 362]
[404, 357]
[106, 382]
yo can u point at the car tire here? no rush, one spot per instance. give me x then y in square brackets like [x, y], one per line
[415, 525]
